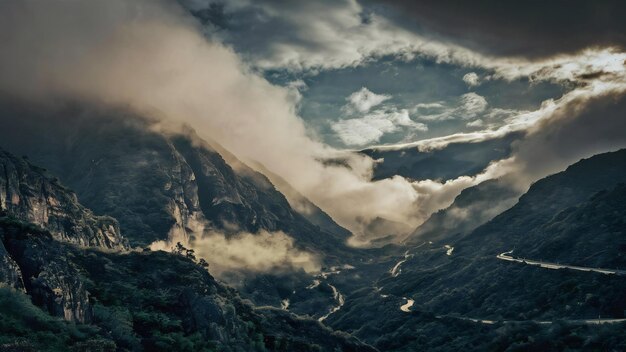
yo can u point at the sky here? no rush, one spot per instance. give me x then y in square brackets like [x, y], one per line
[371, 73]
[294, 84]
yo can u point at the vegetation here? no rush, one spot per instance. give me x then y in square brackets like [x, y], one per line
[25, 327]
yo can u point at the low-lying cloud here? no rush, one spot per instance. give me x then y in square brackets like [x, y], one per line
[261, 252]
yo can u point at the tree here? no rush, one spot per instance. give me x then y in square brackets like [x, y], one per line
[203, 263]
[185, 252]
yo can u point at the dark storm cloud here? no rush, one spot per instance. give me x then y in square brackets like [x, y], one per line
[518, 28]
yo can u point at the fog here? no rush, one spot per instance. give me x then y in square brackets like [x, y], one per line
[259, 252]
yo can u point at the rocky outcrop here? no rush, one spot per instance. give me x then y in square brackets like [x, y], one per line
[28, 193]
[60, 290]
[42, 269]
[10, 272]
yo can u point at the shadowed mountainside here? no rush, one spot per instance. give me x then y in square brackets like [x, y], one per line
[156, 184]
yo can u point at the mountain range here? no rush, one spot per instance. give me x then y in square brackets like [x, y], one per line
[81, 210]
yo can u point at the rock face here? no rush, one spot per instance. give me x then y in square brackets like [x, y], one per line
[10, 272]
[44, 271]
[27, 193]
[233, 197]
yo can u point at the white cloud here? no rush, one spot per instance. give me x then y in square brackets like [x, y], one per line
[427, 109]
[471, 105]
[298, 84]
[503, 114]
[371, 127]
[147, 56]
[471, 79]
[476, 123]
[363, 100]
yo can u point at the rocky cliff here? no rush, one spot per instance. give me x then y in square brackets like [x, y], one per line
[34, 203]
[28, 193]
[10, 272]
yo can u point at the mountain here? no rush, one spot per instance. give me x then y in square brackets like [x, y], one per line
[598, 223]
[156, 183]
[54, 268]
[473, 207]
[548, 198]
[169, 183]
[302, 204]
[573, 218]
[29, 194]
[450, 162]
[31, 200]
[533, 277]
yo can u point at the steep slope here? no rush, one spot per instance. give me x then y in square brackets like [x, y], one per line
[302, 204]
[547, 198]
[241, 197]
[48, 277]
[473, 207]
[155, 184]
[574, 217]
[599, 223]
[32, 200]
[10, 272]
[29, 194]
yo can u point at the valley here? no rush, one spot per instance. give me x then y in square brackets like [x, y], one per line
[452, 277]
[312, 176]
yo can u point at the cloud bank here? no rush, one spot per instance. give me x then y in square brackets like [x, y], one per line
[150, 56]
[154, 58]
[258, 253]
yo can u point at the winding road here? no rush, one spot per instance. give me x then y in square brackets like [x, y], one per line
[338, 298]
[407, 306]
[396, 270]
[555, 266]
[543, 322]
